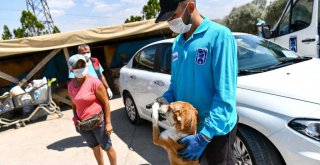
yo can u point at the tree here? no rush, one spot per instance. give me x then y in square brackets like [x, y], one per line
[133, 19]
[260, 3]
[244, 18]
[274, 11]
[30, 26]
[19, 33]
[56, 30]
[151, 10]
[6, 35]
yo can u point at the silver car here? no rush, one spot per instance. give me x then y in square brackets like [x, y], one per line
[278, 99]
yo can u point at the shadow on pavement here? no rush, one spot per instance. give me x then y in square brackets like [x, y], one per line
[138, 138]
[71, 142]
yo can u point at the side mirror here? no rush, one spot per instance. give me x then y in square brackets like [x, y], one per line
[266, 32]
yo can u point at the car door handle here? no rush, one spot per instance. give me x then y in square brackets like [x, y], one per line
[159, 83]
[308, 40]
[133, 77]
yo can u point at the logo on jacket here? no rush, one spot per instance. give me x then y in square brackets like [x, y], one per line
[201, 56]
[175, 56]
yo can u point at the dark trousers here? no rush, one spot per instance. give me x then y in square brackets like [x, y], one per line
[220, 150]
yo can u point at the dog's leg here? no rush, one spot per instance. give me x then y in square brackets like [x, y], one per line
[155, 117]
[157, 140]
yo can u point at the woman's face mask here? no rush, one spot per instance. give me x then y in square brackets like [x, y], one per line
[80, 73]
[178, 26]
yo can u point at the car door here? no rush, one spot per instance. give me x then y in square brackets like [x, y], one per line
[163, 71]
[142, 78]
[298, 28]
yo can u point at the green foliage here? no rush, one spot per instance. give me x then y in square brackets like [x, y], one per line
[133, 19]
[19, 33]
[260, 3]
[6, 35]
[149, 11]
[244, 18]
[274, 11]
[30, 26]
[56, 30]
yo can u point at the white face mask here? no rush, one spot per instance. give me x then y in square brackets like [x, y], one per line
[88, 56]
[260, 29]
[80, 73]
[178, 26]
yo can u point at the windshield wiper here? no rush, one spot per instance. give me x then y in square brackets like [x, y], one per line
[286, 62]
[248, 72]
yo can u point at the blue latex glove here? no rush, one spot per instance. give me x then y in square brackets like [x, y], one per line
[195, 145]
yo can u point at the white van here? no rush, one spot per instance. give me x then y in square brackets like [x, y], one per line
[297, 28]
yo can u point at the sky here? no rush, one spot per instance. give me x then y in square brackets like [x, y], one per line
[70, 15]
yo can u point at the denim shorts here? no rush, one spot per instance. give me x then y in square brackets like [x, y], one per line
[97, 137]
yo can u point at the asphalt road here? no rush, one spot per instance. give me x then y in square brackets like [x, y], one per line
[55, 141]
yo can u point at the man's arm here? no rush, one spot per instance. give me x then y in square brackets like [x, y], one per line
[225, 71]
[104, 81]
[169, 94]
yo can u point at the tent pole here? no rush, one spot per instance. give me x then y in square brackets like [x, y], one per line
[8, 77]
[39, 66]
[67, 56]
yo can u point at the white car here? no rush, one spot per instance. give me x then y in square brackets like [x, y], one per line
[278, 99]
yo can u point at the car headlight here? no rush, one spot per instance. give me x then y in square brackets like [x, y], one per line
[307, 127]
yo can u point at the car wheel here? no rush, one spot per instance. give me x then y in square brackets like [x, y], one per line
[252, 148]
[131, 110]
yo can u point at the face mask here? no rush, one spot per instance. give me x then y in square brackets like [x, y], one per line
[178, 26]
[260, 29]
[88, 56]
[80, 73]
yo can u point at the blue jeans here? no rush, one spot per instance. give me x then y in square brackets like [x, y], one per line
[97, 137]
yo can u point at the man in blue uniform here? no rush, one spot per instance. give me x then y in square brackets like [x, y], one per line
[204, 73]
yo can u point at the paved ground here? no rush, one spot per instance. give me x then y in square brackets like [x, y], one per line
[55, 141]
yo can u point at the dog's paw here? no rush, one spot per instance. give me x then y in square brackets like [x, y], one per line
[155, 112]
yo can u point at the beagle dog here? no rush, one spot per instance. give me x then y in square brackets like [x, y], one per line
[183, 118]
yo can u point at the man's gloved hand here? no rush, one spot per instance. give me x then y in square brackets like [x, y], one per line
[110, 94]
[195, 145]
[162, 101]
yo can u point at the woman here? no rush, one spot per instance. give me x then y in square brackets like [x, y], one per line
[91, 109]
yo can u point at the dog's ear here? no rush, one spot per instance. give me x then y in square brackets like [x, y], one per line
[182, 119]
[197, 116]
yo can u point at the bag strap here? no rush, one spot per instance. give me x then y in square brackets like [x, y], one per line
[96, 66]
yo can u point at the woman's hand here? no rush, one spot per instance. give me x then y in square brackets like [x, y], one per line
[108, 128]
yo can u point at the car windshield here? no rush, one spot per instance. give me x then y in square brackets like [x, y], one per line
[257, 55]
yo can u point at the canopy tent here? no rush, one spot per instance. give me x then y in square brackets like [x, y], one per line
[74, 38]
